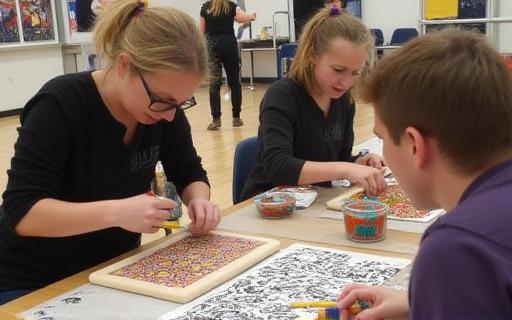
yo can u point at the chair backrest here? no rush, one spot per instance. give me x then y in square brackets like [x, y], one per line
[402, 35]
[243, 162]
[285, 56]
[378, 36]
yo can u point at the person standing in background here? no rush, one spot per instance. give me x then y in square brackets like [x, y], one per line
[216, 22]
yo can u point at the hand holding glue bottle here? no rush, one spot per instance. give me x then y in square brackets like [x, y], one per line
[163, 189]
[204, 215]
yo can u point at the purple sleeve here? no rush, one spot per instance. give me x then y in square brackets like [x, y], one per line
[460, 275]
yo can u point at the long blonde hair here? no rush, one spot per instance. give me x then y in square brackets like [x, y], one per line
[154, 38]
[314, 40]
[218, 7]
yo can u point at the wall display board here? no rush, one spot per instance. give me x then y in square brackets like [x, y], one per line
[27, 22]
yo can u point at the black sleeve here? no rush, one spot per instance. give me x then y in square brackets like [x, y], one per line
[348, 137]
[179, 158]
[277, 126]
[204, 8]
[40, 156]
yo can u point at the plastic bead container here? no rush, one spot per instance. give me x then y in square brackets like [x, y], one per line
[365, 220]
[275, 205]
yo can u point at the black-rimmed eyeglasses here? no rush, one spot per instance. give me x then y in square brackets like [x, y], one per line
[157, 105]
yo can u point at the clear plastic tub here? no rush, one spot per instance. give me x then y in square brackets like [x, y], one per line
[365, 220]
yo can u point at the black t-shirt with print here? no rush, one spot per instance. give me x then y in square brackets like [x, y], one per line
[71, 148]
[221, 24]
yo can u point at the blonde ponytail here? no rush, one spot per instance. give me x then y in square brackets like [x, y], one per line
[219, 7]
[160, 38]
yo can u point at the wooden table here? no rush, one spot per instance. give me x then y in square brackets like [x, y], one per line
[15, 307]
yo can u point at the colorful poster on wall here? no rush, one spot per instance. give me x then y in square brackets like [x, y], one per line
[354, 8]
[441, 9]
[472, 9]
[9, 31]
[37, 20]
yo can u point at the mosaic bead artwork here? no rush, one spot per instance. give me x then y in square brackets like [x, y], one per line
[399, 205]
[188, 260]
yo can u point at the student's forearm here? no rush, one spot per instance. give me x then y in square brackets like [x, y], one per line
[196, 190]
[313, 172]
[55, 218]
[243, 17]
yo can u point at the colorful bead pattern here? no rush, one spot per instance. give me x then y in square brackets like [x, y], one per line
[294, 189]
[399, 205]
[188, 260]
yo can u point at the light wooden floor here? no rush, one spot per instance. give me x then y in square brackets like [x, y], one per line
[215, 147]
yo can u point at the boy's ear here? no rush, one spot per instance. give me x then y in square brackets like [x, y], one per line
[418, 146]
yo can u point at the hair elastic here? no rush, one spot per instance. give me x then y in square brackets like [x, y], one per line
[139, 8]
[334, 11]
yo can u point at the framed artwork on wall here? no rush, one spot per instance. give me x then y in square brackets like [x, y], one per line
[353, 7]
[38, 21]
[456, 9]
[9, 26]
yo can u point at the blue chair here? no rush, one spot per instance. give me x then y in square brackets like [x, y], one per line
[402, 35]
[243, 162]
[285, 54]
[378, 35]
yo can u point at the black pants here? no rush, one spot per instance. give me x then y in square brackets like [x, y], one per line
[224, 52]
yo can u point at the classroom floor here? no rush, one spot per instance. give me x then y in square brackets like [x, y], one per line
[215, 147]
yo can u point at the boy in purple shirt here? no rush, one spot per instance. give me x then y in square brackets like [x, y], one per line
[443, 107]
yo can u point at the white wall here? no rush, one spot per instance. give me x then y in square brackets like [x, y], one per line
[390, 14]
[24, 71]
[192, 7]
[385, 15]
[505, 29]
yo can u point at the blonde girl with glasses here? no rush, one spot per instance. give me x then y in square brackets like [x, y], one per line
[88, 146]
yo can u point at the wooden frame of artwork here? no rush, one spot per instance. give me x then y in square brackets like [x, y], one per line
[423, 215]
[154, 273]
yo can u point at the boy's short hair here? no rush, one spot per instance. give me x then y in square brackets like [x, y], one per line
[451, 85]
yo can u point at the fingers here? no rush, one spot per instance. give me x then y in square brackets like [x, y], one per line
[346, 290]
[376, 161]
[372, 185]
[207, 217]
[359, 293]
[165, 203]
[216, 212]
